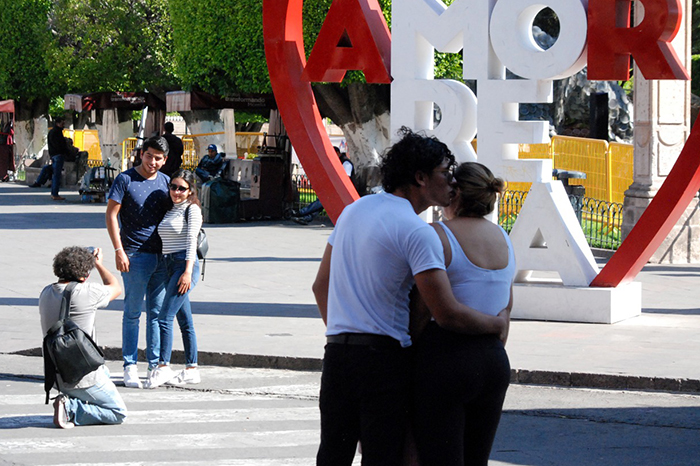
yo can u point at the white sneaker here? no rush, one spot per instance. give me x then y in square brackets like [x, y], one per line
[186, 376]
[159, 376]
[131, 377]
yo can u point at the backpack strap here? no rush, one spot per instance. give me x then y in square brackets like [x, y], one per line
[65, 301]
[49, 372]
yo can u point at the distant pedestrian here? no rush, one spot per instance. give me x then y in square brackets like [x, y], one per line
[93, 399]
[58, 150]
[179, 230]
[376, 252]
[176, 149]
[137, 202]
[47, 171]
[461, 380]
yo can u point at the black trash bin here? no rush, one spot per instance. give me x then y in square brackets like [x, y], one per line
[220, 201]
[576, 192]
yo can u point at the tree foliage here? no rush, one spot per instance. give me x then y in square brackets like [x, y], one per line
[24, 72]
[111, 45]
[218, 46]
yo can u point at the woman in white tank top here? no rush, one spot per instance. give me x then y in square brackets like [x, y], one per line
[461, 380]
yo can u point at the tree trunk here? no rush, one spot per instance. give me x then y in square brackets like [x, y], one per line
[31, 128]
[362, 112]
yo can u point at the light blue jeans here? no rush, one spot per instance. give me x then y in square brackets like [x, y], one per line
[98, 404]
[144, 283]
[176, 303]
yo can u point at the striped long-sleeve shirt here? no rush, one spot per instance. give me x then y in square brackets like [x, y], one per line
[179, 234]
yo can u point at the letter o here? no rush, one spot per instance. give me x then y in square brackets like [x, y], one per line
[512, 40]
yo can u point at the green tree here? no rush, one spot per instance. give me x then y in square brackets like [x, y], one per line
[24, 73]
[112, 45]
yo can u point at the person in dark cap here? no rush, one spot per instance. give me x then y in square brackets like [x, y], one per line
[210, 165]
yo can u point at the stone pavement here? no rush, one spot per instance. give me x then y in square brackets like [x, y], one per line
[255, 307]
[268, 417]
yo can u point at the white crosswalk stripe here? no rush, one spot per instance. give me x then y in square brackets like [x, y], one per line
[247, 418]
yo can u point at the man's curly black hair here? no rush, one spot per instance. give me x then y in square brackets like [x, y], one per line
[73, 264]
[413, 153]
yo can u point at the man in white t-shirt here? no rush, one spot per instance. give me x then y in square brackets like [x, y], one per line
[377, 251]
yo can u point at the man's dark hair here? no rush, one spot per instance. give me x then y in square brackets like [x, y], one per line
[59, 119]
[169, 127]
[158, 143]
[73, 263]
[413, 153]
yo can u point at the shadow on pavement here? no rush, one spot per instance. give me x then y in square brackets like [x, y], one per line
[598, 437]
[52, 220]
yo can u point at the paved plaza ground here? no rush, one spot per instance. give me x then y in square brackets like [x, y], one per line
[255, 309]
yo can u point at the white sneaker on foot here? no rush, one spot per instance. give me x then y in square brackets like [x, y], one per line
[186, 376]
[60, 415]
[159, 376]
[131, 377]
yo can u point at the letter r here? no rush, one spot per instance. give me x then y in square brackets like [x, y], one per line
[611, 41]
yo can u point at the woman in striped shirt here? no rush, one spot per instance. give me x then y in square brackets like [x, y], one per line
[178, 230]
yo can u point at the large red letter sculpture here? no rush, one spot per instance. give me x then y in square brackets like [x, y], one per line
[368, 46]
[284, 51]
[611, 41]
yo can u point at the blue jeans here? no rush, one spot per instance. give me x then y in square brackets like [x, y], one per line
[310, 212]
[45, 175]
[202, 174]
[143, 283]
[99, 404]
[176, 303]
[57, 170]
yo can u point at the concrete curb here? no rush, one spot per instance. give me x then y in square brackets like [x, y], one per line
[518, 376]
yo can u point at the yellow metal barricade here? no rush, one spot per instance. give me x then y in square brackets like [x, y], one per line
[247, 144]
[189, 156]
[128, 145]
[585, 155]
[87, 140]
[621, 166]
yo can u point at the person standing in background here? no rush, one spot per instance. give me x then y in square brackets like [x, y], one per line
[58, 149]
[174, 160]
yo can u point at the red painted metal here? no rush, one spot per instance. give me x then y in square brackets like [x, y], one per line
[611, 41]
[284, 51]
[368, 46]
[658, 219]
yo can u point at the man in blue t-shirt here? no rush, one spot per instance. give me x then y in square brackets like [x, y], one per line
[137, 202]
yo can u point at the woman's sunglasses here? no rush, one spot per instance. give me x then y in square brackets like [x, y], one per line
[180, 189]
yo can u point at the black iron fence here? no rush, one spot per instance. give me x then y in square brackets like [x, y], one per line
[601, 221]
[304, 193]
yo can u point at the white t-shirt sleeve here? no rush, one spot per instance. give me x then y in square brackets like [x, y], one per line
[424, 250]
[348, 168]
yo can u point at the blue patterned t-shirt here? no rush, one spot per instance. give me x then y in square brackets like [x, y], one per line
[143, 205]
